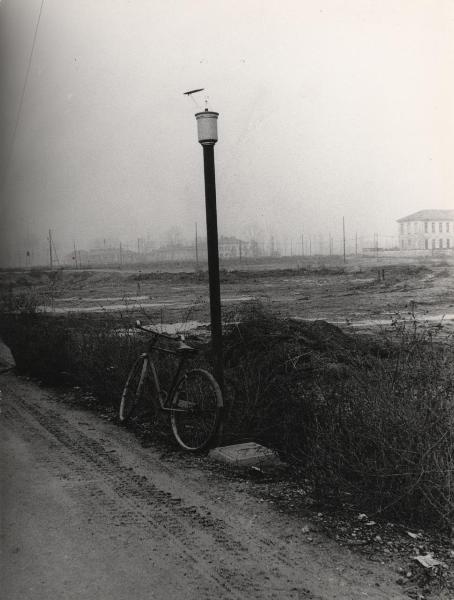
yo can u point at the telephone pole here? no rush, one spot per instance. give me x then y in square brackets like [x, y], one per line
[343, 236]
[50, 250]
[196, 248]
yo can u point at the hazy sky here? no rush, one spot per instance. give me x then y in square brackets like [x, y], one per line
[328, 108]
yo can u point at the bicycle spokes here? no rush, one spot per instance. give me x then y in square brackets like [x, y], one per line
[195, 409]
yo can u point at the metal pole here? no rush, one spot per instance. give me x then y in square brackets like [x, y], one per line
[196, 248]
[213, 261]
[50, 249]
[343, 235]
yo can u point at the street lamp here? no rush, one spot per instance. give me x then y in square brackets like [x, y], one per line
[208, 135]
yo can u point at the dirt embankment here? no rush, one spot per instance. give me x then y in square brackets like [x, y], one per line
[88, 513]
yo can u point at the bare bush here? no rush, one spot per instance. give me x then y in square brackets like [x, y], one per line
[373, 419]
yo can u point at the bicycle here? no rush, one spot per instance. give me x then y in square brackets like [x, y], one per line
[193, 398]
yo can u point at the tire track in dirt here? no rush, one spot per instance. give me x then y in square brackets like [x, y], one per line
[177, 522]
[210, 551]
[188, 526]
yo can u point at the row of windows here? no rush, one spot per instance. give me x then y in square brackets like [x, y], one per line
[433, 244]
[433, 227]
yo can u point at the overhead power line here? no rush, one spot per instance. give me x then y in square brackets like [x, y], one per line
[21, 100]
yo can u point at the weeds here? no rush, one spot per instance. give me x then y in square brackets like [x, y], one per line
[370, 418]
[373, 419]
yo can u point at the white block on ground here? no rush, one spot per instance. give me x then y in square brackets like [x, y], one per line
[248, 454]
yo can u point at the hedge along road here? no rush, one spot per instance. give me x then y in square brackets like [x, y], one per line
[89, 514]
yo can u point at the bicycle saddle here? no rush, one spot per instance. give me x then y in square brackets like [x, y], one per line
[182, 347]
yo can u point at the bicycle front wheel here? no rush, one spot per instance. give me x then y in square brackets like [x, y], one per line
[196, 409]
[131, 399]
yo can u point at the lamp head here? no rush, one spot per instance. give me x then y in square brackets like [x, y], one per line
[207, 127]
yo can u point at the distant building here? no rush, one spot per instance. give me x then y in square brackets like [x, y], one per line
[233, 247]
[175, 252]
[111, 256]
[427, 230]
[229, 247]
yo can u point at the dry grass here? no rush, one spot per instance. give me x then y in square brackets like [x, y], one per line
[371, 418]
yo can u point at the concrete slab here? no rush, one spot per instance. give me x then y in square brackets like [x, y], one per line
[248, 454]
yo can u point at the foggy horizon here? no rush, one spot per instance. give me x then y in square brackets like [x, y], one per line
[328, 109]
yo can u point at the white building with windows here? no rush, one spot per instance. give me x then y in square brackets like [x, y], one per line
[427, 230]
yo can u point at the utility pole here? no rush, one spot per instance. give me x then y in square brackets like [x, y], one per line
[207, 137]
[75, 254]
[240, 250]
[343, 236]
[196, 248]
[50, 249]
[302, 245]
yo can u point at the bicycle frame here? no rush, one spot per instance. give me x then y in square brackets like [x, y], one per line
[164, 396]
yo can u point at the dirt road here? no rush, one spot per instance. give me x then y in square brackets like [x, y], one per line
[89, 514]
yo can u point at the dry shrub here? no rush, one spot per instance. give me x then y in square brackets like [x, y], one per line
[371, 419]
[93, 355]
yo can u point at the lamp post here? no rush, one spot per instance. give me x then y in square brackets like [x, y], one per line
[208, 135]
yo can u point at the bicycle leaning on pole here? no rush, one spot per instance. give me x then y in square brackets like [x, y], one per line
[193, 399]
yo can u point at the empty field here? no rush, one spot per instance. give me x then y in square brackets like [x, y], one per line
[362, 293]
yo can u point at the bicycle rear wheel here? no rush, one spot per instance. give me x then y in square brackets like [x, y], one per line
[132, 401]
[196, 409]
